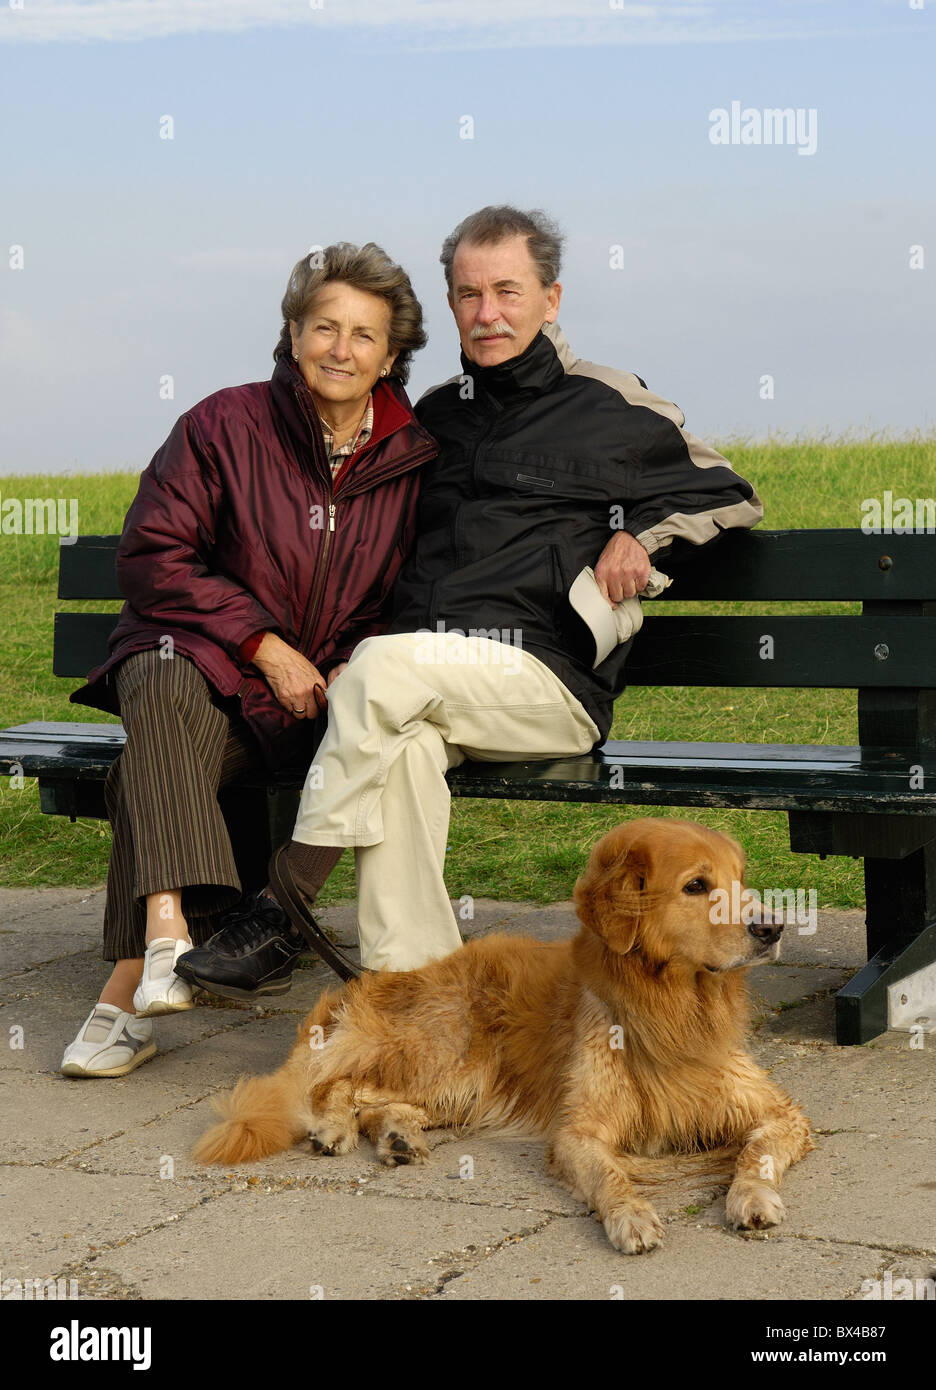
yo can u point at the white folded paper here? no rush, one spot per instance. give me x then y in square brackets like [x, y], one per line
[611, 626]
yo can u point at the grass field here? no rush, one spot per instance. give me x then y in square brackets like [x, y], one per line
[497, 849]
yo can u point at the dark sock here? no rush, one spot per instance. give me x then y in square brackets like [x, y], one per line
[310, 866]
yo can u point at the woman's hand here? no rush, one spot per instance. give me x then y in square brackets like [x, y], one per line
[297, 684]
[336, 671]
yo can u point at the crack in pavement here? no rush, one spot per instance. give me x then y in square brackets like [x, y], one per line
[473, 1257]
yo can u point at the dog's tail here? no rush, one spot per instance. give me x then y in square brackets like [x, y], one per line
[260, 1117]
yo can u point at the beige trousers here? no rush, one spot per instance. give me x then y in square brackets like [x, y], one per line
[407, 708]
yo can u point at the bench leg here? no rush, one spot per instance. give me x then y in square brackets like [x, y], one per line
[258, 819]
[901, 923]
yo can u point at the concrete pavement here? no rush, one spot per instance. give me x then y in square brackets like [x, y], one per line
[98, 1186]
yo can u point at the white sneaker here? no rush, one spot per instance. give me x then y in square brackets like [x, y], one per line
[109, 1043]
[161, 991]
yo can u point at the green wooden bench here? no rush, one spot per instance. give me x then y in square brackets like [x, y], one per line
[876, 801]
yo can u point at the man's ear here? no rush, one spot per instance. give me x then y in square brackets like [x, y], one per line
[609, 895]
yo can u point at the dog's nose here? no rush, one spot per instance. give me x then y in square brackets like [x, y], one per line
[765, 925]
[769, 932]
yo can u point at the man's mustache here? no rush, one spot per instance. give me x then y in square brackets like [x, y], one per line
[497, 330]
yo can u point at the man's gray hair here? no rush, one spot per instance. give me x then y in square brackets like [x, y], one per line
[494, 224]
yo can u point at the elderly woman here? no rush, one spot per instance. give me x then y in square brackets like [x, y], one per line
[260, 549]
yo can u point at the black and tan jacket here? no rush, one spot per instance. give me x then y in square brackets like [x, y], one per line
[541, 458]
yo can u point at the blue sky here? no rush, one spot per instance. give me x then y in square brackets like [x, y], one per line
[297, 125]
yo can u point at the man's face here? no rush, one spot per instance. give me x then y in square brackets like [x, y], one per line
[498, 301]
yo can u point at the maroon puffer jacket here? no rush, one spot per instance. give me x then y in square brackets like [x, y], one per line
[237, 527]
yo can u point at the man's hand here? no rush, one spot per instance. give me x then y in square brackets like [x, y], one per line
[297, 684]
[623, 569]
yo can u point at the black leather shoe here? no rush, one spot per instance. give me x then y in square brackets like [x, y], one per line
[252, 953]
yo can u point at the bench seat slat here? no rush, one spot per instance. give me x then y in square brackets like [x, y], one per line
[765, 776]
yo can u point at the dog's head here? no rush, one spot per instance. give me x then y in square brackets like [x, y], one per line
[674, 892]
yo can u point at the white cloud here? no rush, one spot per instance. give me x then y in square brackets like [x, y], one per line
[433, 24]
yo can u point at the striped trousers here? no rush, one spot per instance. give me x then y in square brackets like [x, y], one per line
[183, 743]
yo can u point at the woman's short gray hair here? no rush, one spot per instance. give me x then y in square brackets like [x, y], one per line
[494, 224]
[367, 268]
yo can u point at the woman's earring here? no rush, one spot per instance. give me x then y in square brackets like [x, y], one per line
[295, 357]
[383, 371]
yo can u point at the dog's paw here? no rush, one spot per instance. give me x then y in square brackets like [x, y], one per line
[328, 1138]
[633, 1229]
[395, 1148]
[752, 1206]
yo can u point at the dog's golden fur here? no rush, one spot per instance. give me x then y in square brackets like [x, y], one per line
[619, 1046]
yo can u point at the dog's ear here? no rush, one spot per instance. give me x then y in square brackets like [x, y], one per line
[609, 895]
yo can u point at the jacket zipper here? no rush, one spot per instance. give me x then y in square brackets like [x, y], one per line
[312, 611]
[318, 586]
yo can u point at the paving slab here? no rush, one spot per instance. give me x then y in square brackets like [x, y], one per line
[306, 1243]
[839, 939]
[23, 950]
[571, 1258]
[78, 912]
[883, 1284]
[888, 1090]
[867, 1189]
[43, 1119]
[46, 1117]
[61, 1217]
[773, 987]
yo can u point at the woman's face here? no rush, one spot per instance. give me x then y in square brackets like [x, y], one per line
[343, 345]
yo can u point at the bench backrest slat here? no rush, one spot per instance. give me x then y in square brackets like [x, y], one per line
[886, 647]
[822, 565]
[847, 652]
[86, 568]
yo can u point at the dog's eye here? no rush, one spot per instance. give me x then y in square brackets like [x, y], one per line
[696, 885]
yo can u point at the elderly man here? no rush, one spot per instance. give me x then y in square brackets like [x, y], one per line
[550, 467]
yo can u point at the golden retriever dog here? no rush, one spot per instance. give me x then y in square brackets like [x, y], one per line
[619, 1046]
